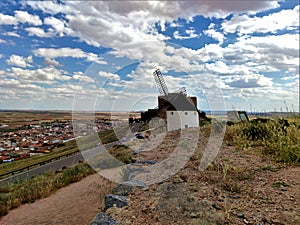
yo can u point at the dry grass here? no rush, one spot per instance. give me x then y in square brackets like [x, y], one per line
[277, 138]
[41, 186]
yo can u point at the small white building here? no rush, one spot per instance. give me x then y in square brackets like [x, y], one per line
[177, 109]
[182, 119]
[181, 112]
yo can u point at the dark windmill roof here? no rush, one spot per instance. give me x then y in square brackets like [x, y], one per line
[180, 102]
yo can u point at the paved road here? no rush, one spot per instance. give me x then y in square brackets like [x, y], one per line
[56, 165]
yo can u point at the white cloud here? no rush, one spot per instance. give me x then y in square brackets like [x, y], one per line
[51, 62]
[16, 84]
[177, 36]
[25, 17]
[49, 7]
[55, 23]
[294, 77]
[211, 52]
[189, 33]
[65, 52]
[279, 51]
[20, 17]
[130, 30]
[219, 67]
[58, 26]
[111, 31]
[84, 79]
[173, 24]
[109, 75]
[35, 75]
[7, 19]
[19, 60]
[21, 94]
[36, 31]
[215, 35]
[168, 10]
[13, 34]
[46, 75]
[244, 24]
[122, 25]
[250, 81]
[254, 55]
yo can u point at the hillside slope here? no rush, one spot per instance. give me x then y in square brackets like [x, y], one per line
[239, 187]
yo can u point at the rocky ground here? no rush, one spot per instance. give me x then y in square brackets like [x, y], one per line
[239, 187]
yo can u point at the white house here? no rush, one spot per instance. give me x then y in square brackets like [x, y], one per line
[177, 109]
[182, 119]
[182, 112]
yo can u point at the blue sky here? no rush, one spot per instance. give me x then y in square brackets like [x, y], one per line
[101, 55]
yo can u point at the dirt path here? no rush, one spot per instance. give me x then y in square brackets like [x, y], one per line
[76, 204]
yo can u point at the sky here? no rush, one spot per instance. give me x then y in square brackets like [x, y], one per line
[101, 55]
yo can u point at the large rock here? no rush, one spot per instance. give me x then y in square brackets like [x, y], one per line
[133, 170]
[178, 203]
[103, 219]
[146, 162]
[128, 187]
[115, 200]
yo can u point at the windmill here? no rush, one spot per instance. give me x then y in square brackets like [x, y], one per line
[178, 109]
[160, 82]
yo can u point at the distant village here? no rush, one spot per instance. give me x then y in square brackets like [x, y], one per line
[41, 138]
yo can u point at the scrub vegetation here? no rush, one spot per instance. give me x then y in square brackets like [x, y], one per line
[41, 186]
[278, 138]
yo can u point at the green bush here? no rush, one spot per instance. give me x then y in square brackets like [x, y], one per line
[278, 138]
[123, 153]
[256, 131]
[284, 144]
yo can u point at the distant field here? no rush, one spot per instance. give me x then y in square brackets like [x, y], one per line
[16, 119]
